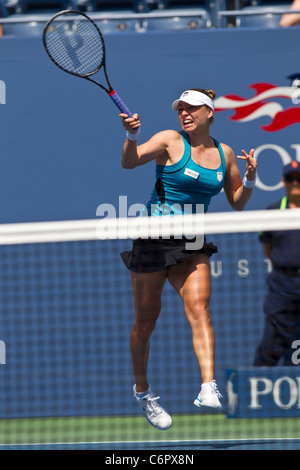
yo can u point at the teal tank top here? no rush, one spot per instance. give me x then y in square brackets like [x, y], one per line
[180, 187]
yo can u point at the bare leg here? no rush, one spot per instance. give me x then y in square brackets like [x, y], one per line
[147, 289]
[191, 279]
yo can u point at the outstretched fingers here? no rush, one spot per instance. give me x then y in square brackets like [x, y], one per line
[251, 163]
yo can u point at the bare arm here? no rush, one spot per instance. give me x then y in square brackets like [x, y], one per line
[156, 148]
[236, 193]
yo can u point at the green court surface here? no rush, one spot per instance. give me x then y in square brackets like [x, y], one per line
[109, 430]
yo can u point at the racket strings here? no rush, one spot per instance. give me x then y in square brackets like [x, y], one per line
[75, 46]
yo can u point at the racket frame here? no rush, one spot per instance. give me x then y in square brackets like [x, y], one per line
[110, 91]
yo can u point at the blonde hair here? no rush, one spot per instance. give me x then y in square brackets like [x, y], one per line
[210, 93]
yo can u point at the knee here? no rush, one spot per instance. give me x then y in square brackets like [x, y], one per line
[198, 313]
[144, 327]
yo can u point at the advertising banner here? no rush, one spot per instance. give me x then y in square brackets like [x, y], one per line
[263, 392]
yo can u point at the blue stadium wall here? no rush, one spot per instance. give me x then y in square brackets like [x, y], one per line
[65, 317]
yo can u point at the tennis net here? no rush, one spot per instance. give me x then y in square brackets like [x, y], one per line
[66, 314]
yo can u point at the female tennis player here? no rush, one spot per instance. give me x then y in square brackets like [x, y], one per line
[191, 168]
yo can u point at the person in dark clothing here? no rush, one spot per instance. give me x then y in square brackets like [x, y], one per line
[282, 301]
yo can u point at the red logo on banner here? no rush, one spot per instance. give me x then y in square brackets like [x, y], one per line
[264, 104]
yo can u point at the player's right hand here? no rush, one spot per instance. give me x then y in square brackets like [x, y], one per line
[130, 124]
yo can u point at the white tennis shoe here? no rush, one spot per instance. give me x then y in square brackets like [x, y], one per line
[154, 412]
[209, 396]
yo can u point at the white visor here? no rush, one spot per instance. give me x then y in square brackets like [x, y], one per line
[195, 98]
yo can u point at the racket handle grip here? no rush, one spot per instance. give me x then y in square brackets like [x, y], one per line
[120, 103]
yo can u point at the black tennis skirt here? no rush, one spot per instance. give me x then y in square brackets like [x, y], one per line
[150, 255]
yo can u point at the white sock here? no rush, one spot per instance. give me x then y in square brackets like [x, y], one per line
[142, 394]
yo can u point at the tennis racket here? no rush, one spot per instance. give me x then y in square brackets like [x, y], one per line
[75, 44]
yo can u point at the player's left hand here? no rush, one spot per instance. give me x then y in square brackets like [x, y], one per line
[251, 164]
